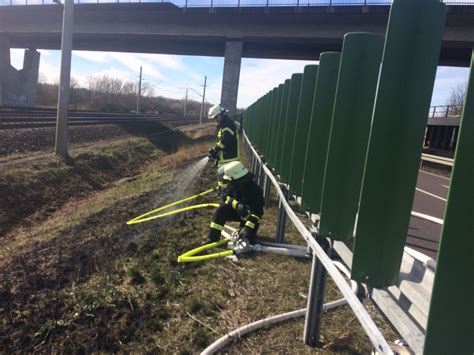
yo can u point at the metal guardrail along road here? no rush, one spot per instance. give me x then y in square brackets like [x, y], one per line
[437, 159]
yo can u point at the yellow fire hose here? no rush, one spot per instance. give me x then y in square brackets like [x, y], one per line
[191, 256]
[141, 218]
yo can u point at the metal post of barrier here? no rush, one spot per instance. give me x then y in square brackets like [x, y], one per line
[266, 193]
[280, 232]
[256, 168]
[259, 172]
[317, 289]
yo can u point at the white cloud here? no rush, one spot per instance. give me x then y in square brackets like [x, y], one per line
[213, 89]
[153, 64]
[169, 75]
[16, 58]
[17, 55]
[258, 76]
[44, 52]
[48, 73]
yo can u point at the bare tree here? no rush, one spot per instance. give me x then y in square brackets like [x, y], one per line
[111, 94]
[456, 99]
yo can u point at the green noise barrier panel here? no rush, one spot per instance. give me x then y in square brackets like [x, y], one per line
[270, 121]
[281, 127]
[354, 103]
[263, 106]
[252, 120]
[274, 125]
[318, 135]
[450, 326]
[264, 119]
[290, 122]
[298, 152]
[410, 58]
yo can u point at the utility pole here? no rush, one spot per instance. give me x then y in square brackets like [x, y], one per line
[61, 146]
[139, 91]
[185, 103]
[203, 100]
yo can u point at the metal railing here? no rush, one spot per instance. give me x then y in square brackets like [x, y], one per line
[445, 111]
[234, 3]
[266, 178]
[437, 159]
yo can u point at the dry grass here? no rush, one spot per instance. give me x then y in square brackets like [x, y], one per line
[90, 283]
[186, 153]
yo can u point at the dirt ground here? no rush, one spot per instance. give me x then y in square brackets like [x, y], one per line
[82, 280]
[30, 140]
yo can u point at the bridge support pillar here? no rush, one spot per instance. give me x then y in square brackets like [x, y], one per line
[4, 65]
[230, 81]
[18, 87]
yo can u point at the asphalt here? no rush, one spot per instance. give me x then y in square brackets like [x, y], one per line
[430, 199]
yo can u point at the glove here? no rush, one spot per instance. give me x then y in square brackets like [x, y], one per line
[212, 153]
[243, 210]
[246, 233]
[221, 193]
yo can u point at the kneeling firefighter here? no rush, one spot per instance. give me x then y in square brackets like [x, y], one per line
[242, 202]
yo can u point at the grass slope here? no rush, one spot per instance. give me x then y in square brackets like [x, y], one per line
[84, 281]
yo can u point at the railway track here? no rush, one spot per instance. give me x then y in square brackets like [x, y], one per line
[25, 117]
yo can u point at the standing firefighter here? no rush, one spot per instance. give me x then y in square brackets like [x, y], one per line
[242, 202]
[227, 146]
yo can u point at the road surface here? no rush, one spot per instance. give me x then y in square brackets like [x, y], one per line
[430, 199]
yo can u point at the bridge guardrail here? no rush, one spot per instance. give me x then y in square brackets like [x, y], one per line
[437, 159]
[234, 3]
[445, 111]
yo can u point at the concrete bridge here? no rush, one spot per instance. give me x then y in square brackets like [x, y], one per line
[252, 32]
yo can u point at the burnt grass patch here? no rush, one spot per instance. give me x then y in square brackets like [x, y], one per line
[100, 285]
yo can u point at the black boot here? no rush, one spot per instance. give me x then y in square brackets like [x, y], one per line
[213, 236]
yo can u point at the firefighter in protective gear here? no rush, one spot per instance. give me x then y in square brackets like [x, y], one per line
[242, 201]
[227, 146]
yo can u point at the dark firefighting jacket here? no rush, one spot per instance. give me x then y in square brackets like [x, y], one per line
[228, 144]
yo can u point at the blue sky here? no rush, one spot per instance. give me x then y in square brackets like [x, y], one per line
[171, 74]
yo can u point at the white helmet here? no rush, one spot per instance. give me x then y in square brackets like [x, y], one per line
[214, 111]
[234, 170]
